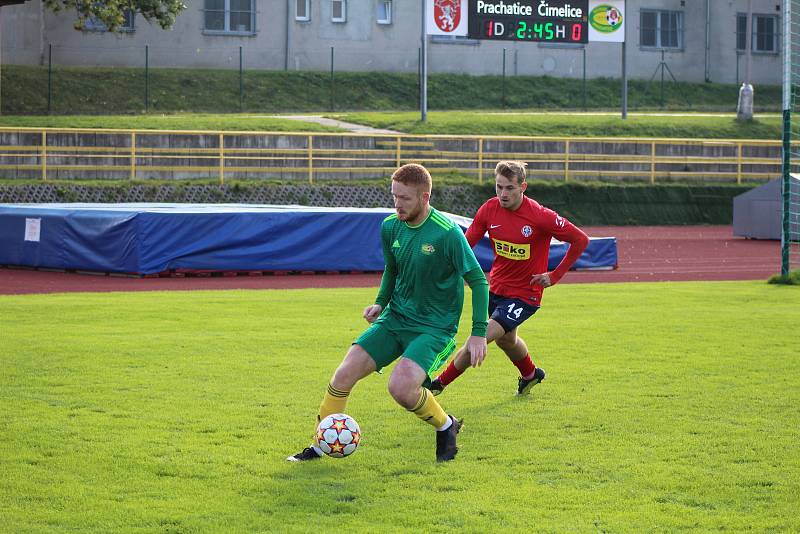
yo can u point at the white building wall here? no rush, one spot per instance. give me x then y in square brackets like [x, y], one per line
[361, 44]
[765, 68]
[21, 28]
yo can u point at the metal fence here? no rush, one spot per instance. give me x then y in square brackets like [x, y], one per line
[58, 154]
[129, 78]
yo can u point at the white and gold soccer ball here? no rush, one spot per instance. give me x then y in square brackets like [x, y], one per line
[338, 435]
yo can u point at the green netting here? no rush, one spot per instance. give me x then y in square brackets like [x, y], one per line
[790, 240]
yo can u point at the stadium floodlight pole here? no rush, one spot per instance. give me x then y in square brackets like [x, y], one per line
[423, 85]
[787, 135]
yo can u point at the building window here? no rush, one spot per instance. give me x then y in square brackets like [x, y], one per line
[741, 31]
[302, 10]
[230, 16]
[764, 33]
[338, 10]
[93, 24]
[384, 15]
[661, 29]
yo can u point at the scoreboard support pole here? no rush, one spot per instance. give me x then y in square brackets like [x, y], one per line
[625, 70]
[423, 84]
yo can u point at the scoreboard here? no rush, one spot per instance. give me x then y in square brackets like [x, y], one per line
[551, 21]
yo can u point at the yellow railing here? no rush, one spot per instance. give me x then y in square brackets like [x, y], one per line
[74, 153]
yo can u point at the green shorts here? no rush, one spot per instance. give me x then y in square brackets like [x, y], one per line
[389, 338]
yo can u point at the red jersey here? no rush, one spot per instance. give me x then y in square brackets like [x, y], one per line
[521, 243]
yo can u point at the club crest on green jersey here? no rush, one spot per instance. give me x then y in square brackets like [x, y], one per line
[428, 249]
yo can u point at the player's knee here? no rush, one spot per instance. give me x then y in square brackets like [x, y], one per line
[405, 393]
[346, 375]
[343, 378]
[507, 342]
[355, 366]
[401, 395]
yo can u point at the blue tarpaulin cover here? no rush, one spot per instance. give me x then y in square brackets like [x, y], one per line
[153, 238]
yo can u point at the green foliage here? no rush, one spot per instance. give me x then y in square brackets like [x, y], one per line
[122, 90]
[791, 279]
[666, 409]
[112, 12]
[612, 204]
[461, 91]
[583, 203]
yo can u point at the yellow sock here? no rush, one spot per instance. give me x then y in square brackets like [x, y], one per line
[334, 401]
[429, 410]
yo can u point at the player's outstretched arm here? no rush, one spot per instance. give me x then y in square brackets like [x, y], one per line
[476, 344]
[372, 312]
[578, 241]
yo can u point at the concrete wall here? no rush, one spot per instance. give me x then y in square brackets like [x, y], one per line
[21, 29]
[361, 44]
[342, 157]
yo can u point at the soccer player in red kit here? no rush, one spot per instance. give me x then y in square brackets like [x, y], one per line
[520, 230]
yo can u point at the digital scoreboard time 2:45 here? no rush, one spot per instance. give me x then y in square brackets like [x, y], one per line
[552, 21]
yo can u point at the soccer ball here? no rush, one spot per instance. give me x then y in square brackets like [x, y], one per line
[338, 435]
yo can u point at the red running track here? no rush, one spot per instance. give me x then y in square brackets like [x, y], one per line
[646, 254]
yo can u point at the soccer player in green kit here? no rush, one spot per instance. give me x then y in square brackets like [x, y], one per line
[416, 313]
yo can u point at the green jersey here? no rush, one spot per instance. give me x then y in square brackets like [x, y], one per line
[428, 263]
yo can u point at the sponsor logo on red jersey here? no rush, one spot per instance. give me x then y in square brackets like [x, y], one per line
[512, 251]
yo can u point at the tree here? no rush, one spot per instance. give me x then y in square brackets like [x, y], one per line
[112, 13]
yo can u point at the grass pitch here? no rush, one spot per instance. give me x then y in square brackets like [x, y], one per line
[686, 125]
[668, 406]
